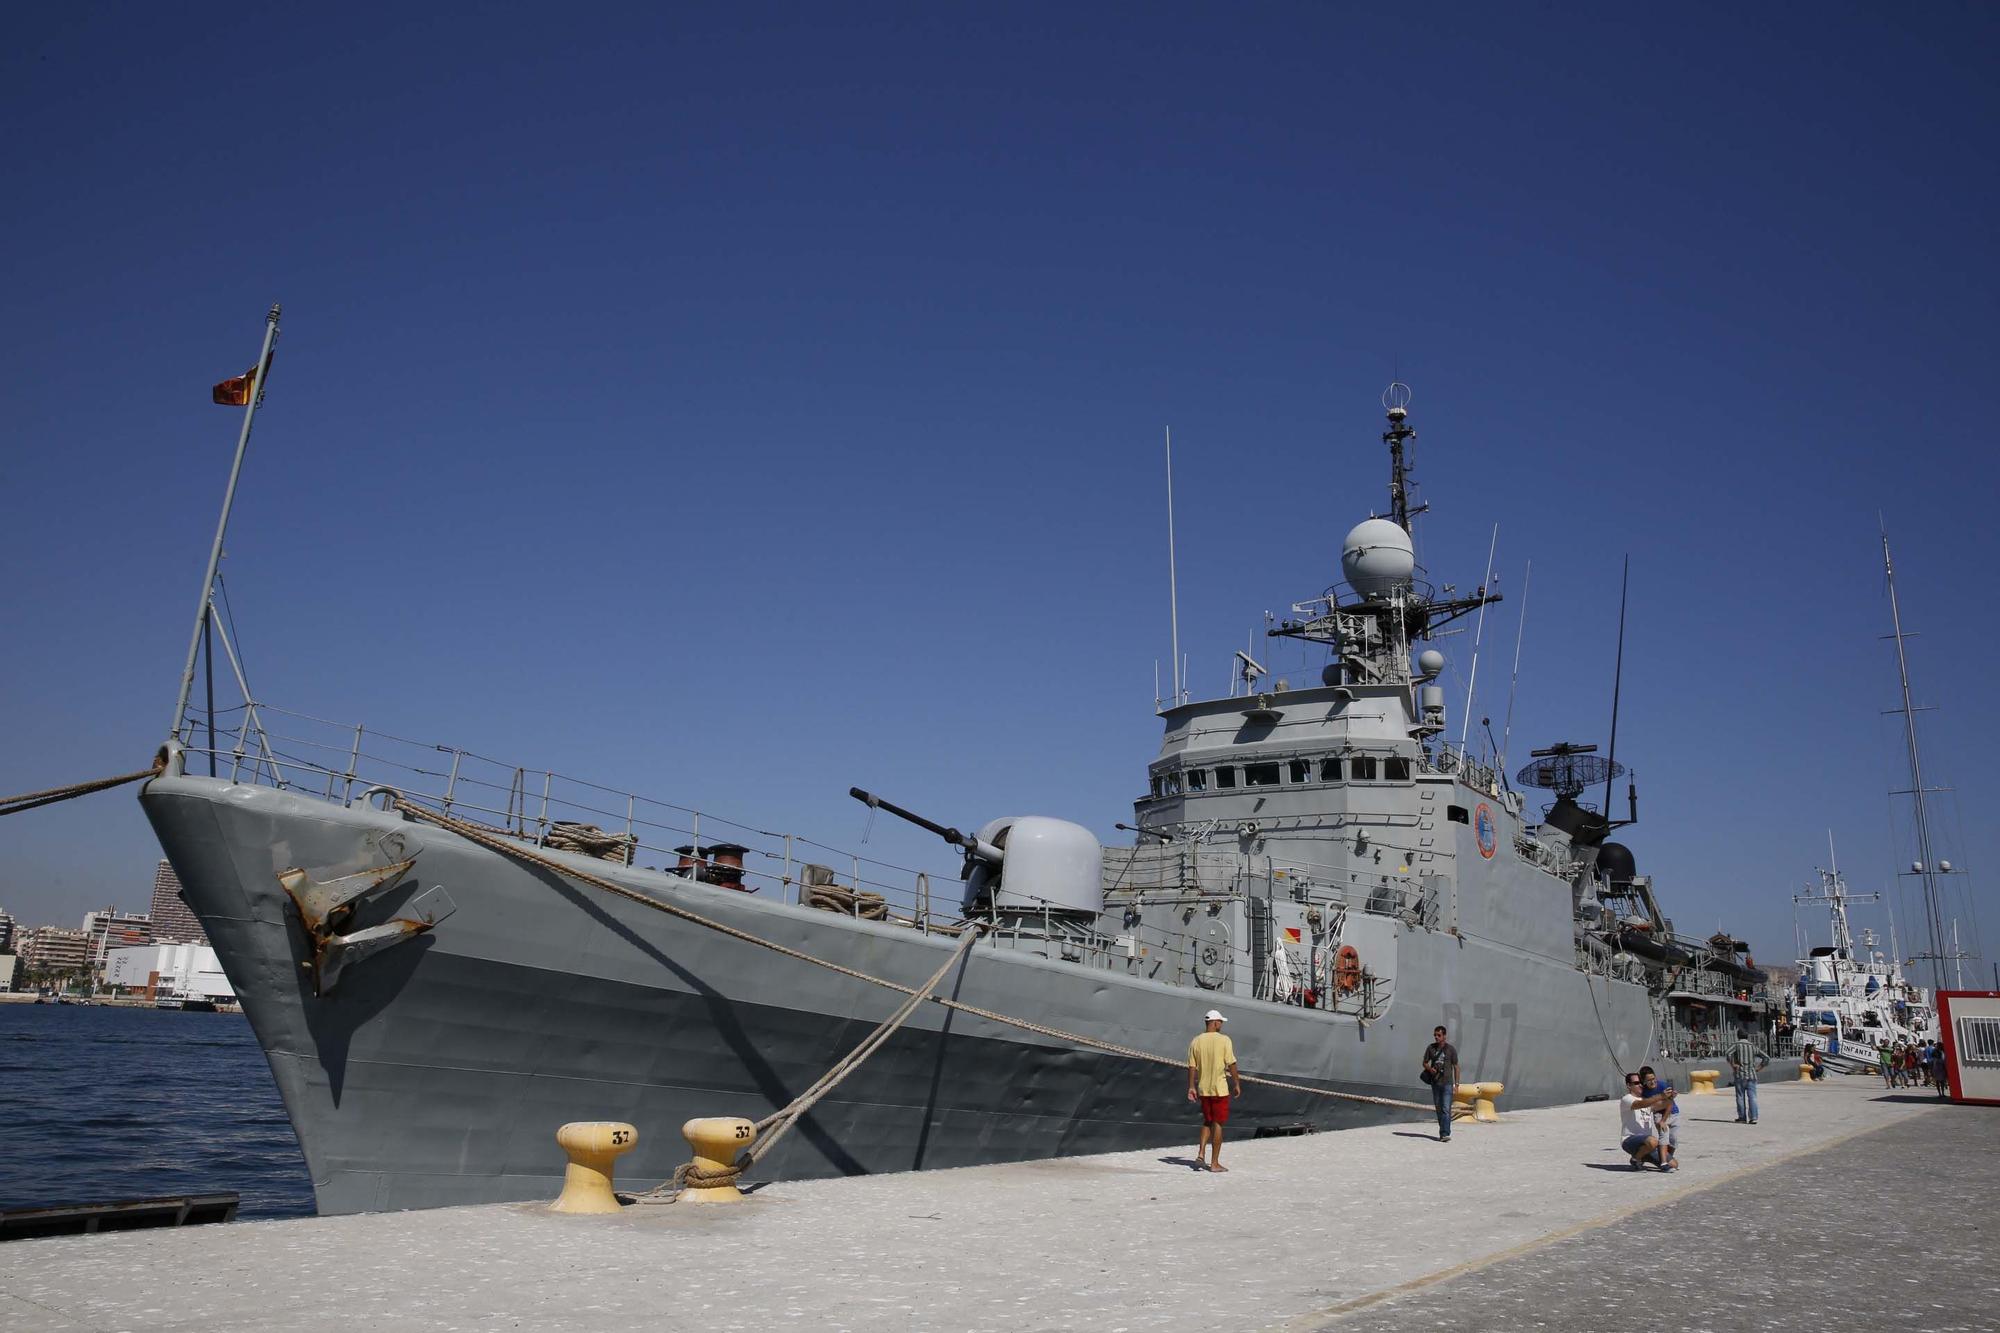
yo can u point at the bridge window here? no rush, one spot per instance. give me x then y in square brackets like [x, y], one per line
[1329, 770]
[1260, 775]
[1362, 768]
[1301, 770]
[1159, 784]
[1225, 777]
[1173, 784]
[1197, 779]
[1396, 769]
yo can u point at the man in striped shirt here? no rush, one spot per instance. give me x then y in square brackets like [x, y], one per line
[1745, 1063]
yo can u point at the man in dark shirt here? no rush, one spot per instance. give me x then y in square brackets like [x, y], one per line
[1441, 1072]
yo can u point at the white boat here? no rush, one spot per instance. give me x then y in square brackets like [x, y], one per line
[1851, 998]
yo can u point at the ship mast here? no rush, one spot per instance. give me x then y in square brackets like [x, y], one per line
[1926, 866]
[1410, 613]
[1396, 401]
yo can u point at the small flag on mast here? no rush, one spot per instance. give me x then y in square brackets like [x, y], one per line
[236, 392]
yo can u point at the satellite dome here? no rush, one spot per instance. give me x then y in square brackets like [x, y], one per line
[1377, 558]
[1430, 662]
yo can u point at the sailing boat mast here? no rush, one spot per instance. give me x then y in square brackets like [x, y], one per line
[1926, 866]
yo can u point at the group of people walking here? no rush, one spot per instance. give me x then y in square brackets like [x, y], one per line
[1213, 1079]
[1649, 1111]
[1913, 1064]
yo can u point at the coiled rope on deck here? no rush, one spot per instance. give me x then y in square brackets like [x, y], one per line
[520, 852]
[29, 800]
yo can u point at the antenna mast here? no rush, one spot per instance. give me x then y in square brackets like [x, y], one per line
[1396, 399]
[1926, 865]
[1173, 581]
[1617, 684]
[1520, 629]
[1478, 635]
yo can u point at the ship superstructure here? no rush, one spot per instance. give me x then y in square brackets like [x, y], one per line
[1851, 997]
[1319, 862]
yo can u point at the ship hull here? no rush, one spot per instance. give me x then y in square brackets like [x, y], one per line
[437, 1071]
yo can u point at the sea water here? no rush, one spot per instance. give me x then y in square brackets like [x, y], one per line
[100, 1103]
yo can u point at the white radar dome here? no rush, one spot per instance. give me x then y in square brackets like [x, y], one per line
[1377, 558]
[1430, 662]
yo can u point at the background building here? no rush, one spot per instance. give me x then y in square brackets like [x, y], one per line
[49, 952]
[169, 969]
[6, 932]
[108, 928]
[171, 918]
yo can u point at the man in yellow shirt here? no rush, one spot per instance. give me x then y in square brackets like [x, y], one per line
[1212, 1081]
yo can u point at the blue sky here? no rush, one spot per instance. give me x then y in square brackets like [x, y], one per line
[735, 405]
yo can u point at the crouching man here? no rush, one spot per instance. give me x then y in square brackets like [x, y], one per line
[1640, 1139]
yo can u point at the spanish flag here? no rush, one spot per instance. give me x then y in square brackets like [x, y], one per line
[236, 392]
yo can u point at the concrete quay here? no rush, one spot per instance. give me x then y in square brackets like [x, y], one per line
[1846, 1206]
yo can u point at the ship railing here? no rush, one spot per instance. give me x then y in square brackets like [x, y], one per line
[1598, 961]
[1555, 860]
[339, 762]
[1412, 898]
[1370, 999]
[1456, 761]
[1060, 931]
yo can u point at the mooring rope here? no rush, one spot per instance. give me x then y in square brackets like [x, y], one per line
[520, 852]
[29, 800]
[773, 1127]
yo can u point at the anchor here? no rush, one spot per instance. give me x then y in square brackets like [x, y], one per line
[324, 906]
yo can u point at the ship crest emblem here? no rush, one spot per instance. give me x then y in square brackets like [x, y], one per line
[1487, 830]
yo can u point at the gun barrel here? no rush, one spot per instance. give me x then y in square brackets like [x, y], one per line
[874, 802]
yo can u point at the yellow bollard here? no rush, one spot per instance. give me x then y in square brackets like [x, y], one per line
[1483, 1107]
[593, 1146]
[1462, 1097]
[1704, 1082]
[716, 1142]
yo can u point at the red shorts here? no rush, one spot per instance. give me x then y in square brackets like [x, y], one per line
[1215, 1110]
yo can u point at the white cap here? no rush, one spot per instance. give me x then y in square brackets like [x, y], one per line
[1213, 1016]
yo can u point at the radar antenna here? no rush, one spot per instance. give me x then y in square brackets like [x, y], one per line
[1396, 402]
[1568, 770]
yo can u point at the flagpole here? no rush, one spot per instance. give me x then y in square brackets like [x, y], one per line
[222, 523]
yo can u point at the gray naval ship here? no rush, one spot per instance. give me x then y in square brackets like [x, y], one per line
[1318, 862]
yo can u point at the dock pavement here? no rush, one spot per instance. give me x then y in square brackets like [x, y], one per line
[1847, 1206]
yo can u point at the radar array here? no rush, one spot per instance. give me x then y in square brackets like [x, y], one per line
[1568, 770]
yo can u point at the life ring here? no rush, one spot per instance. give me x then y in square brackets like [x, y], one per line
[1346, 969]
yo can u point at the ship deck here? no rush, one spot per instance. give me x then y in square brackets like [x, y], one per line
[1531, 1222]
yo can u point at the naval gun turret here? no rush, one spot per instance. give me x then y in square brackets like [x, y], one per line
[1020, 864]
